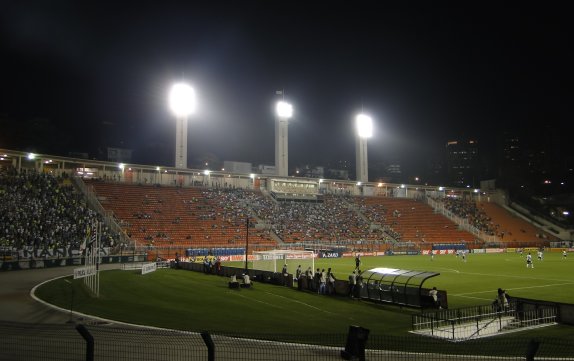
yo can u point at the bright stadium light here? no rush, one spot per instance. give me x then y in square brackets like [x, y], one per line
[364, 126]
[182, 99]
[31, 156]
[284, 110]
[182, 103]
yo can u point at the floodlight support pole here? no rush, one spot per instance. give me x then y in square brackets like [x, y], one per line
[281, 146]
[181, 142]
[361, 160]
[246, 242]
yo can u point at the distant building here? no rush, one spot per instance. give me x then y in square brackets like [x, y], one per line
[312, 172]
[342, 174]
[264, 169]
[119, 155]
[394, 171]
[237, 167]
[462, 163]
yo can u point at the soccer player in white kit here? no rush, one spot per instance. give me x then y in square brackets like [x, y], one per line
[529, 261]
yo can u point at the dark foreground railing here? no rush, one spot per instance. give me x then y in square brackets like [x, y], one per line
[101, 341]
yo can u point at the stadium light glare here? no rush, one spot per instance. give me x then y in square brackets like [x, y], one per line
[182, 99]
[31, 156]
[284, 110]
[157, 168]
[121, 166]
[206, 172]
[441, 188]
[252, 176]
[364, 126]
[358, 183]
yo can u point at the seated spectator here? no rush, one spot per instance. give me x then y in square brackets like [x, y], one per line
[233, 283]
[246, 281]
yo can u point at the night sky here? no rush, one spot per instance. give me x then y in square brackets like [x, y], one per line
[81, 75]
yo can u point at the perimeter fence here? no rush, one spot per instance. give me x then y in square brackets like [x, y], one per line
[100, 341]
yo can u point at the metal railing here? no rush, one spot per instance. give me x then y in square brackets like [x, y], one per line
[479, 321]
[97, 341]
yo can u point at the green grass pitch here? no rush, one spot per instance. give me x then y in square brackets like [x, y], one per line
[194, 301]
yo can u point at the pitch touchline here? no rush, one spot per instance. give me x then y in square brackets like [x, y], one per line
[514, 289]
[303, 303]
[253, 299]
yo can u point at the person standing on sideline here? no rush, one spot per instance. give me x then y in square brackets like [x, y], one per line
[431, 254]
[330, 282]
[357, 262]
[298, 272]
[323, 282]
[463, 256]
[352, 283]
[529, 263]
[502, 300]
[434, 294]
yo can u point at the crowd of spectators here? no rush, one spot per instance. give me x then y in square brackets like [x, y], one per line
[42, 212]
[333, 219]
[469, 210]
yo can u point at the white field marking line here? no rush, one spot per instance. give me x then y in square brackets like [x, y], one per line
[514, 289]
[474, 298]
[302, 303]
[256, 300]
[511, 276]
[450, 269]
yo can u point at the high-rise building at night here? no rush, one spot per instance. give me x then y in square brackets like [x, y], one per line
[463, 163]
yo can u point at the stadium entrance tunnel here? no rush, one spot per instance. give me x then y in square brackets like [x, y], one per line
[400, 287]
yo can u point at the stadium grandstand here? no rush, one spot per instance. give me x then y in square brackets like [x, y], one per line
[164, 212]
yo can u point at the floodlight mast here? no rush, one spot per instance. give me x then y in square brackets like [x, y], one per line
[364, 126]
[283, 112]
[182, 103]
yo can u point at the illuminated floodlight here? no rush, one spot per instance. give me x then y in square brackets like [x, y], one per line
[206, 172]
[284, 110]
[252, 176]
[358, 183]
[565, 213]
[31, 156]
[364, 126]
[441, 188]
[182, 99]
[402, 186]
[321, 180]
[122, 166]
[157, 168]
[476, 190]
[380, 185]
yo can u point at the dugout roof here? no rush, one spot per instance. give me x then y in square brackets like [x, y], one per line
[393, 285]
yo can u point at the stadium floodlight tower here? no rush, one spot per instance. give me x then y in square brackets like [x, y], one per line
[283, 112]
[364, 125]
[182, 104]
